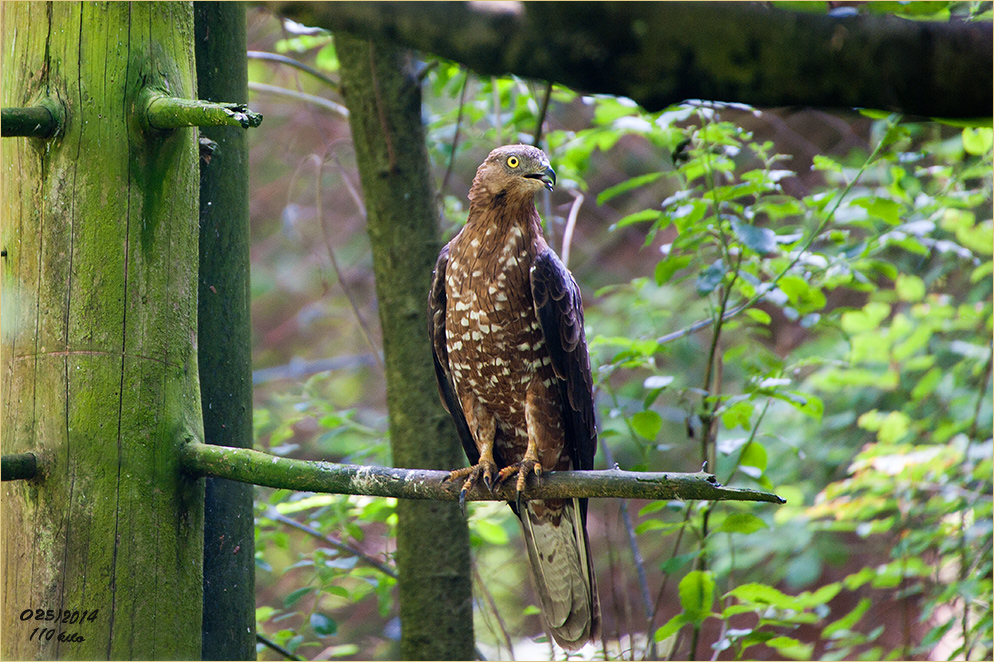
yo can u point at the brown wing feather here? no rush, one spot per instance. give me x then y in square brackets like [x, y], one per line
[440, 354]
[557, 303]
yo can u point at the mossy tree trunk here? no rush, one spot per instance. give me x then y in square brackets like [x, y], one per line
[383, 96]
[99, 337]
[225, 354]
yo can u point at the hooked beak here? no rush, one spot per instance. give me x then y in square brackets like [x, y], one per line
[546, 176]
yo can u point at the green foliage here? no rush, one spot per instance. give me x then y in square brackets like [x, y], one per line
[815, 322]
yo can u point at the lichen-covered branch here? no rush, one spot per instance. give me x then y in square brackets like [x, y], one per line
[661, 53]
[250, 466]
[166, 112]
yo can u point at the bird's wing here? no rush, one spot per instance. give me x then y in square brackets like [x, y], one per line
[440, 354]
[560, 313]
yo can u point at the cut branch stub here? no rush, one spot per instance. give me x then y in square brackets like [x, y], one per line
[166, 112]
[250, 466]
[44, 120]
[18, 466]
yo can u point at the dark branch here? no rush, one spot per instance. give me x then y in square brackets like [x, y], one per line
[249, 466]
[663, 53]
[22, 466]
[41, 121]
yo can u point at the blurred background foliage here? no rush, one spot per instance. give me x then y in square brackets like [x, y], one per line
[801, 299]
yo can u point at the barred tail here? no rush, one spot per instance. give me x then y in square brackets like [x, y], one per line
[563, 574]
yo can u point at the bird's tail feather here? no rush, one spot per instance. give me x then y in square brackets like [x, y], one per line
[564, 577]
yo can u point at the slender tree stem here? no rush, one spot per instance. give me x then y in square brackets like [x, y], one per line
[283, 59]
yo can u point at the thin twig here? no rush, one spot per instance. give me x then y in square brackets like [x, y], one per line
[336, 108]
[493, 608]
[574, 211]
[643, 580]
[274, 514]
[269, 643]
[542, 113]
[283, 59]
[498, 126]
[455, 138]
[319, 210]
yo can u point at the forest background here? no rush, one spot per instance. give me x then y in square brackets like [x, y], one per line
[803, 299]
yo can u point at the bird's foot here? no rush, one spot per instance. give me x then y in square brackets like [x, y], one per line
[523, 469]
[472, 474]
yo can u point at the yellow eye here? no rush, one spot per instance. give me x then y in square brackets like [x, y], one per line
[512, 162]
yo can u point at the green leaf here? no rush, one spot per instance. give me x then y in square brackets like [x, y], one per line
[804, 297]
[759, 240]
[977, 141]
[669, 266]
[647, 424]
[739, 414]
[754, 455]
[887, 210]
[491, 533]
[696, 591]
[674, 563]
[764, 594]
[847, 622]
[638, 217]
[671, 627]
[531, 610]
[790, 647]
[710, 277]
[758, 315]
[295, 596]
[742, 523]
[323, 625]
[910, 287]
[627, 185]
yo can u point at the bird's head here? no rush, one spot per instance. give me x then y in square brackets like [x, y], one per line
[515, 171]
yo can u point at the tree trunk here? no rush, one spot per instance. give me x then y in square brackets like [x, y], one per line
[383, 95]
[224, 333]
[99, 338]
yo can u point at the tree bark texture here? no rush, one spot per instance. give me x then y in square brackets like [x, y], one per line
[661, 53]
[383, 96]
[224, 333]
[99, 360]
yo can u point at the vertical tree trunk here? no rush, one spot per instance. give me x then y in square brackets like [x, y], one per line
[383, 95]
[99, 338]
[224, 336]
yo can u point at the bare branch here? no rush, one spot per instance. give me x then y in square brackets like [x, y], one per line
[250, 466]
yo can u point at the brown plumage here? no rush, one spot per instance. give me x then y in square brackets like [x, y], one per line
[506, 325]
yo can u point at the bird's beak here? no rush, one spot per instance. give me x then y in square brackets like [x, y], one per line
[547, 176]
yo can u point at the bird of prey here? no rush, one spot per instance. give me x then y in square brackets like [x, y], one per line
[506, 326]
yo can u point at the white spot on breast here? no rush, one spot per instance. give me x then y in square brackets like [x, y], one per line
[477, 274]
[462, 305]
[476, 335]
[464, 321]
[475, 242]
[456, 346]
[484, 328]
[524, 347]
[500, 295]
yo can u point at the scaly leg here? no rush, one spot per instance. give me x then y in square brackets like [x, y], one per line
[529, 463]
[485, 427]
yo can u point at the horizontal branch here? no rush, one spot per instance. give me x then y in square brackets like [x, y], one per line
[166, 112]
[20, 466]
[661, 53]
[250, 466]
[41, 121]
